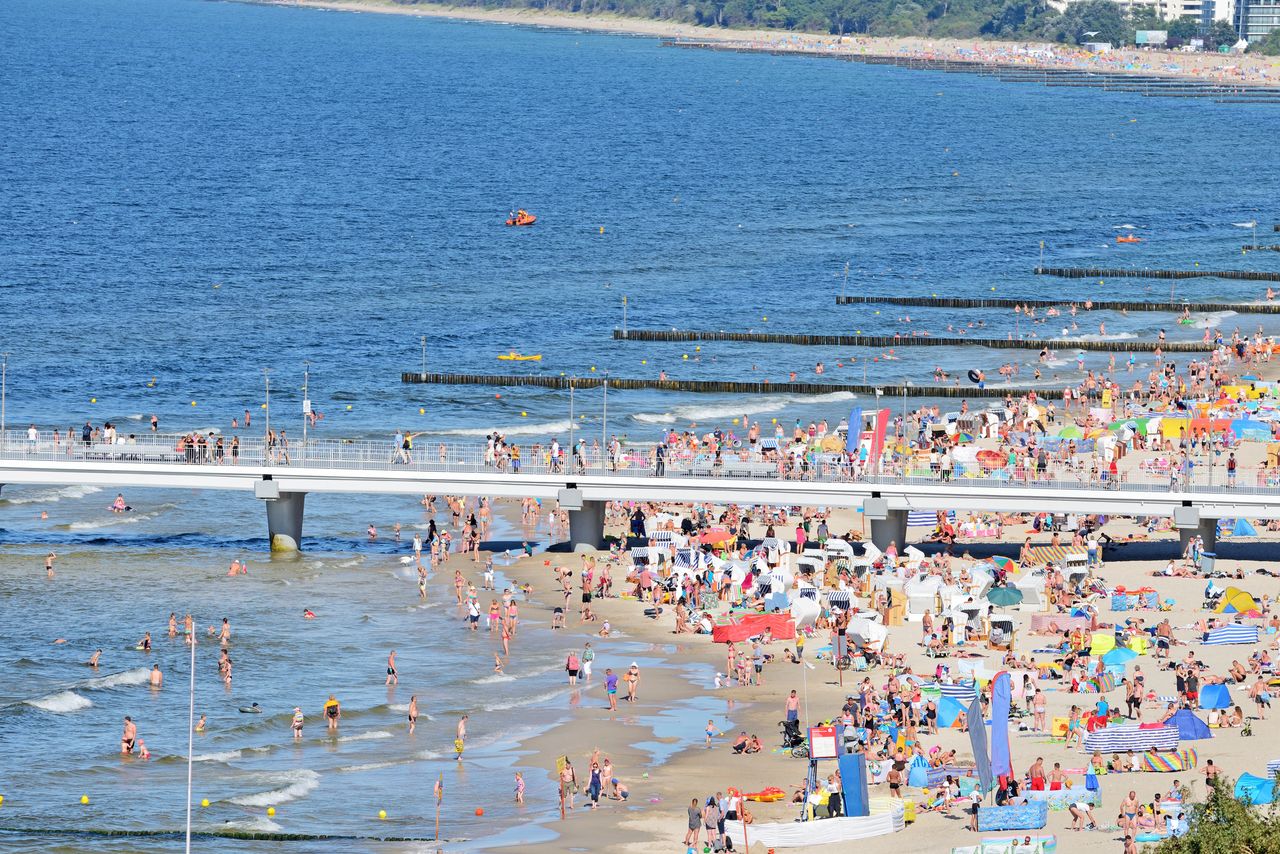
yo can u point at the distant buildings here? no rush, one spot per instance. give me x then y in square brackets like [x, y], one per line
[1254, 19]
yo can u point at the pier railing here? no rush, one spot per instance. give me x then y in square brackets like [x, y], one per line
[1138, 472]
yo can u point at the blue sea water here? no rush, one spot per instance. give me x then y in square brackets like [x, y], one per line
[195, 191]
[191, 192]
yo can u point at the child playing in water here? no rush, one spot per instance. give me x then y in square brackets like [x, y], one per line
[519, 788]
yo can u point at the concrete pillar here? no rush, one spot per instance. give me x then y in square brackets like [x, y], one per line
[1206, 528]
[586, 527]
[284, 521]
[886, 526]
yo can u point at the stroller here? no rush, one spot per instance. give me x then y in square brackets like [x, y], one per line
[792, 739]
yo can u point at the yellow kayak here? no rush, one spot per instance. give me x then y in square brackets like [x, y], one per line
[513, 356]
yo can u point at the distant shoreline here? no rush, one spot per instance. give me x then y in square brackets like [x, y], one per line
[1201, 67]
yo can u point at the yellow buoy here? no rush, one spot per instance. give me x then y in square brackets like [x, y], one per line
[524, 414]
[193, 403]
[262, 406]
[383, 813]
[644, 361]
[422, 411]
[685, 356]
[348, 407]
[698, 349]
[1, 799]
[774, 420]
[93, 400]
[765, 318]
[735, 422]
[602, 229]
[593, 368]
[84, 799]
[204, 802]
[271, 810]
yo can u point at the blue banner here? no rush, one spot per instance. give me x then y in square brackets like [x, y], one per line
[978, 741]
[1001, 699]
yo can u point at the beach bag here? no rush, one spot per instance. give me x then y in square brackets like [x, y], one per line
[1091, 782]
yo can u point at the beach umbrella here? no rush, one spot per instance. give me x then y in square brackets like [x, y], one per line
[1119, 655]
[716, 535]
[1004, 596]
[1071, 431]
[1008, 564]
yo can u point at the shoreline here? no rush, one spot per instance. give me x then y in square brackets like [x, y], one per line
[1200, 67]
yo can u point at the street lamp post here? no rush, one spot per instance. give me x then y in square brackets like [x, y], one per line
[266, 438]
[4, 393]
[191, 714]
[306, 400]
[604, 425]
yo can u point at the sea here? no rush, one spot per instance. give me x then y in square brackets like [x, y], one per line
[200, 200]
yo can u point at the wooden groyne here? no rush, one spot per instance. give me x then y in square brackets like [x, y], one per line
[1094, 305]
[894, 341]
[1147, 85]
[968, 390]
[1118, 273]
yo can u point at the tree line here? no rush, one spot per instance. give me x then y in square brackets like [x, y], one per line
[1000, 19]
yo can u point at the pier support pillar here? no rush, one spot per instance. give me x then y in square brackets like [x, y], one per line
[284, 515]
[586, 521]
[886, 525]
[1188, 522]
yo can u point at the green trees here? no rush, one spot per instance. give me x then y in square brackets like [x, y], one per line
[1270, 46]
[1224, 825]
[1101, 17]
[1002, 19]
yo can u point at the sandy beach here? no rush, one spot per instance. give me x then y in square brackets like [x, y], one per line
[653, 819]
[1233, 68]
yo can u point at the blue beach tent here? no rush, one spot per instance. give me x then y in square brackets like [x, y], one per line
[1190, 727]
[1254, 789]
[1215, 697]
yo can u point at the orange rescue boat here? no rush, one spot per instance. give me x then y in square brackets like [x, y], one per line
[522, 217]
[1128, 238]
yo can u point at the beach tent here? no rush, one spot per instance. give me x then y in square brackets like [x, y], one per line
[1190, 727]
[949, 709]
[1236, 601]
[1242, 528]
[1215, 697]
[1102, 643]
[1119, 655]
[1254, 789]
[918, 772]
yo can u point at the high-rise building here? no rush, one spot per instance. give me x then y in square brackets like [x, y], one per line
[1254, 19]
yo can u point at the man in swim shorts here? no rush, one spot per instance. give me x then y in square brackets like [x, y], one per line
[129, 736]
[392, 677]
